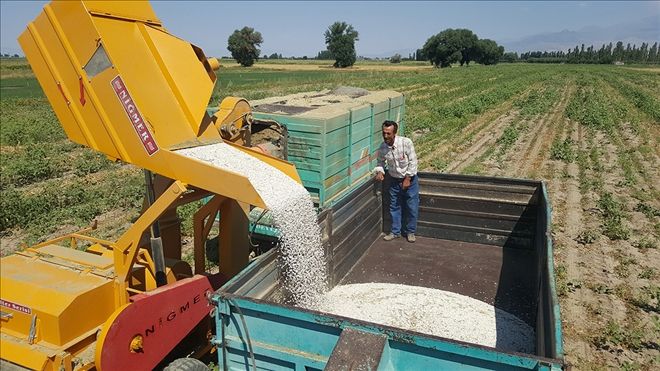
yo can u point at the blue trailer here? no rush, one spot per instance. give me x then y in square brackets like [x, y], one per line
[487, 238]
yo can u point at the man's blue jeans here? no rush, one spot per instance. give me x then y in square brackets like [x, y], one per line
[404, 205]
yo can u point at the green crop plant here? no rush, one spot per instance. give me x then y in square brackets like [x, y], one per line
[600, 288]
[613, 217]
[630, 366]
[582, 159]
[537, 102]
[628, 166]
[561, 274]
[623, 268]
[439, 164]
[563, 150]
[614, 335]
[646, 243]
[590, 107]
[474, 168]
[649, 211]
[29, 164]
[639, 96]
[55, 203]
[587, 237]
[509, 137]
[647, 299]
[90, 162]
[647, 273]
[28, 120]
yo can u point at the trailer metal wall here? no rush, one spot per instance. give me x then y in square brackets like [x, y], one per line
[509, 216]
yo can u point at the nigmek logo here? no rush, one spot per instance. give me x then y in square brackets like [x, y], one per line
[192, 304]
[134, 115]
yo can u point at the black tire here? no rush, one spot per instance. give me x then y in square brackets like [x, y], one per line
[186, 364]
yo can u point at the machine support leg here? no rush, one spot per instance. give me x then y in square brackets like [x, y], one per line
[156, 242]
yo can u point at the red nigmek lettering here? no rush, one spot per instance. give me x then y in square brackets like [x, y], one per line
[171, 315]
[148, 141]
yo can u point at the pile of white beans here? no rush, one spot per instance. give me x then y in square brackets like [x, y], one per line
[301, 256]
[433, 312]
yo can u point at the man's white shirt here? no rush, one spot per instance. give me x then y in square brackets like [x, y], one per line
[400, 158]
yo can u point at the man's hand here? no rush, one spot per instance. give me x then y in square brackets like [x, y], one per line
[380, 176]
[406, 183]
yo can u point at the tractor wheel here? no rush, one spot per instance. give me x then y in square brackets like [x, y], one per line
[186, 364]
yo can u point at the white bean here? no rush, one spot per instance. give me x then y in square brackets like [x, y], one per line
[301, 257]
[433, 312]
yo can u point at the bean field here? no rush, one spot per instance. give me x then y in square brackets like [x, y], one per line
[591, 132]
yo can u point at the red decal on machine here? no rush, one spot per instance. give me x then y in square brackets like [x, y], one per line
[16, 307]
[134, 115]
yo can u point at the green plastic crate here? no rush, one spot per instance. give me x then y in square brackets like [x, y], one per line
[333, 137]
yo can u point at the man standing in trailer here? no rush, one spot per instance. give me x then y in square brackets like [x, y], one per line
[397, 153]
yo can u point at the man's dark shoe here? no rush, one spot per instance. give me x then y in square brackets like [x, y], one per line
[411, 237]
[391, 236]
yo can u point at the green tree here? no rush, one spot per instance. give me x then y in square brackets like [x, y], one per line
[243, 45]
[439, 51]
[325, 54]
[340, 38]
[653, 53]
[469, 46]
[419, 55]
[451, 46]
[488, 52]
[396, 58]
[509, 57]
[618, 52]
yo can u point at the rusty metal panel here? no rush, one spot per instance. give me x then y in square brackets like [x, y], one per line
[359, 349]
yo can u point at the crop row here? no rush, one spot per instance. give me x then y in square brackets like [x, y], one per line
[589, 106]
[445, 120]
[642, 99]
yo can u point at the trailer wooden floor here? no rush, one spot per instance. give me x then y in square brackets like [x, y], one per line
[502, 277]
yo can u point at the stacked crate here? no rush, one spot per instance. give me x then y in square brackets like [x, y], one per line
[333, 135]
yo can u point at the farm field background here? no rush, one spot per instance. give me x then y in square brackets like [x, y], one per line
[591, 132]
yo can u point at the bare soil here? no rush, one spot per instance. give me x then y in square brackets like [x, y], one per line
[486, 139]
[600, 280]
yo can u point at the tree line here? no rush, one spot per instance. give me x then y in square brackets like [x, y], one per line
[447, 47]
[451, 46]
[607, 54]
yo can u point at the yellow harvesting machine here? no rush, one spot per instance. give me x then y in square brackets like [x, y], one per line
[121, 84]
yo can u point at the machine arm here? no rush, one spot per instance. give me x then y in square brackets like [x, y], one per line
[126, 249]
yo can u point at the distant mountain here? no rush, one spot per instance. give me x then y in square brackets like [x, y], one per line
[644, 30]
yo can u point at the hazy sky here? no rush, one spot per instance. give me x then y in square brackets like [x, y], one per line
[296, 27]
